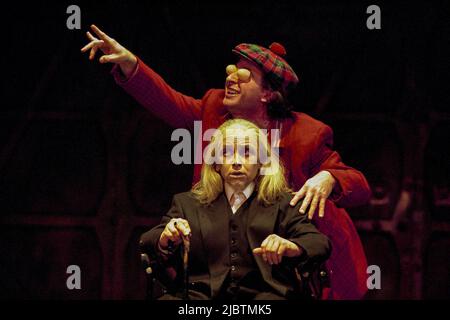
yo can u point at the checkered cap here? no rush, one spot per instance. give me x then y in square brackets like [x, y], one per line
[277, 70]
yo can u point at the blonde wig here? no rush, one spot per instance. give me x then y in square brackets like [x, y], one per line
[270, 181]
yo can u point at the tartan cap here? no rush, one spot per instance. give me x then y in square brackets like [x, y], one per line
[277, 70]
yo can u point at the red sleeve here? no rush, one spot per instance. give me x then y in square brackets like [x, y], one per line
[153, 93]
[351, 188]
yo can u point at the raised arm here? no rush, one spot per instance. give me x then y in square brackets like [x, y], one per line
[113, 51]
[144, 84]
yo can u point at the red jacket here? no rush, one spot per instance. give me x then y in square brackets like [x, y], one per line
[305, 149]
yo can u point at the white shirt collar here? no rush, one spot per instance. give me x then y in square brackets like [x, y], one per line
[229, 191]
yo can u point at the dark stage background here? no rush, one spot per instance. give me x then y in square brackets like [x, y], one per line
[84, 169]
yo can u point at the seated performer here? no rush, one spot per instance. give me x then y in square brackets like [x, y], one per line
[257, 88]
[245, 239]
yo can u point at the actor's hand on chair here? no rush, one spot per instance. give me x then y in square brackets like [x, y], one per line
[113, 51]
[315, 191]
[174, 231]
[274, 248]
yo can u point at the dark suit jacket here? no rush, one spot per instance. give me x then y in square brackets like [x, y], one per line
[209, 253]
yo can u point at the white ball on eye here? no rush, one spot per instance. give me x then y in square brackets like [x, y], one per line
[231, 69]
[243, 74]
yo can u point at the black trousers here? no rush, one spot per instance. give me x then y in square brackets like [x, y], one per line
[230, 292]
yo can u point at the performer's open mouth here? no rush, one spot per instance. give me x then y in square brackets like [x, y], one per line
[232, 91]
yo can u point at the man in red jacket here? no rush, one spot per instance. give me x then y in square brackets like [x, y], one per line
[256, 89]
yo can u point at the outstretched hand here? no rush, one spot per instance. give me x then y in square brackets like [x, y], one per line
[113, 51]
[315, 191]
[274, 248]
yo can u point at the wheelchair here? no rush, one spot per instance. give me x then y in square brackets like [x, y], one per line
[311, 280]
